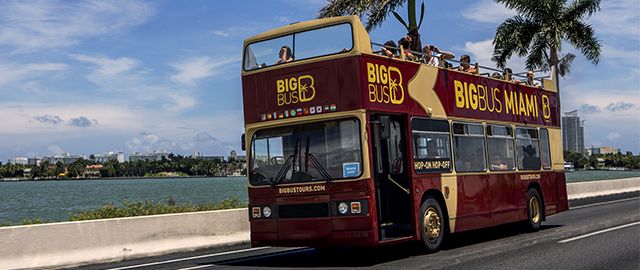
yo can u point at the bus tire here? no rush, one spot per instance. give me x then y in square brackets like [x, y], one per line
[432, 225]
[534, 210]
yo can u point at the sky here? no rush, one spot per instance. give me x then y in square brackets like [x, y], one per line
[87, 77]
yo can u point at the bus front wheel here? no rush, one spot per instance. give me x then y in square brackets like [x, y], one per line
[432, 225]
[534, 210]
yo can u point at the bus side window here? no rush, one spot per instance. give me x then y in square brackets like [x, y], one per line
[468, 147]
[431, 145]
[545, 152]
[500, 148]
[527, 148]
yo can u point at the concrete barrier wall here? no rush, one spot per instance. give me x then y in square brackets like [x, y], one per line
[604, 187]
[72, 243]
[84, 242]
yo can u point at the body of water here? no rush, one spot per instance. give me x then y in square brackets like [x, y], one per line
[580, 176]
[57, 200]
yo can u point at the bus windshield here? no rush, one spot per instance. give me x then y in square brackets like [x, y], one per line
[303, 153]
[298, 46]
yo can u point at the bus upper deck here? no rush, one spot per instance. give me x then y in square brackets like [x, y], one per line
[322, 61]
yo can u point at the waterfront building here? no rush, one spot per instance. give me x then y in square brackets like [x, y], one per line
[573, 132]
[65, 158]
[155, 156]
[19, 161]
[103, 158]
[35, 161]
[200, 156]
[601, 150]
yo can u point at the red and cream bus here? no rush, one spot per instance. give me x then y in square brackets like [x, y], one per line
[347, 147]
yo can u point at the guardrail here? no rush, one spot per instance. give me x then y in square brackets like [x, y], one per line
[94, 241]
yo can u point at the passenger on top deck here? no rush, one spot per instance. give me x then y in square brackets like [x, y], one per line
[435, 60]
[285, 55]
[390, 49]
[530, 80]
[416, 45]
[496, 75]
[405, 44]
[465, 66]
[507, 74]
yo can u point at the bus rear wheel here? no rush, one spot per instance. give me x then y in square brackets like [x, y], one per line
[534, 210]
[432, 225]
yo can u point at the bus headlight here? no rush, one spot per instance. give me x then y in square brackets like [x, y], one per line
[266, 211]
[343, 208]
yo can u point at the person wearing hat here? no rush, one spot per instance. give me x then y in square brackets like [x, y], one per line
[435, 60]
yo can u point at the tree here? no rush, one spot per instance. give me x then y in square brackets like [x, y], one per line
[377, 11]
[539, 30]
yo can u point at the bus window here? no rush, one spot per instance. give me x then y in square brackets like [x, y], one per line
[298, 46]
[431, 145]
[527, 149]
[303, 153]
[500, 148]
[266, 53]
[323, 41]
[468, 147]
[545, 153]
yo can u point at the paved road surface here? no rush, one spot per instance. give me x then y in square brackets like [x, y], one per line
[597, 233]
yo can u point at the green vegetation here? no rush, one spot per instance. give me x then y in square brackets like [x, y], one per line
[541, 28]
[132, 209]
[618, 160]
[170, 166]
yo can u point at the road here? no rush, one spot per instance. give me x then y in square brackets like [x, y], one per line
[597, 233]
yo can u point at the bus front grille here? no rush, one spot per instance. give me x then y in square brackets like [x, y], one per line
[310, 210]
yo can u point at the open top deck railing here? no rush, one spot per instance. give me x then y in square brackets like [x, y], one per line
[446, 64]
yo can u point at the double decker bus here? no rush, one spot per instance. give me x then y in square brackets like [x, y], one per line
[347, 147]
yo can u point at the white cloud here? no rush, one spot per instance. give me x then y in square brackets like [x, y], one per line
[191, 70]
[619, 18]
[36, 25]
[488, 12]
[10, 73]
[180, 102]
[220, 33]
[482, 51]
[105, 66]
[283, 19]
[613, 135]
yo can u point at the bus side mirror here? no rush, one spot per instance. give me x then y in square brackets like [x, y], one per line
[244, 145]
[385, 125]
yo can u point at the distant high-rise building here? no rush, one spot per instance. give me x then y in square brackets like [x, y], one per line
[573, 132]
[19, 161]
[103, 158]
[154, 156]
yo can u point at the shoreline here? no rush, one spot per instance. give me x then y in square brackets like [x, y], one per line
[117, 178]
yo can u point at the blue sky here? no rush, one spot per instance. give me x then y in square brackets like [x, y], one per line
[95, 76]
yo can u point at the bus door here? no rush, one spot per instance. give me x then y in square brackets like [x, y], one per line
[391, 176]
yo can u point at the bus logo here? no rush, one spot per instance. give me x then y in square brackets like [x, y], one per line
[385, 84]
[295, 90]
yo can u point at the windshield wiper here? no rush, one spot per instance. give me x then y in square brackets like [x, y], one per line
[291, 161]
[310, 157]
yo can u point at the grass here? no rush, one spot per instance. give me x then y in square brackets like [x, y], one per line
[133, 209]
[145, 208]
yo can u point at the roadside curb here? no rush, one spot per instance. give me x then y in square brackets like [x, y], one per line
[580, 190]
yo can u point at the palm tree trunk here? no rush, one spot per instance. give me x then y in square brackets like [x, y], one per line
[411, 10]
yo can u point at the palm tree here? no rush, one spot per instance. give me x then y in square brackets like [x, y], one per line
[540, 29]
[377, 11]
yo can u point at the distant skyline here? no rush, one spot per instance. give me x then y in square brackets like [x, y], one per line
[135, 76]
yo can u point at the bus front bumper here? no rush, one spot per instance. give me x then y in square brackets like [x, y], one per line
[314, 232]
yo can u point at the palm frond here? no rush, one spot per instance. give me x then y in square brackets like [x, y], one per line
[581, 8]
[565, 64]
[538, 54]
[525, 8]
[399, 18]
[513, 36]
[582, 36]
